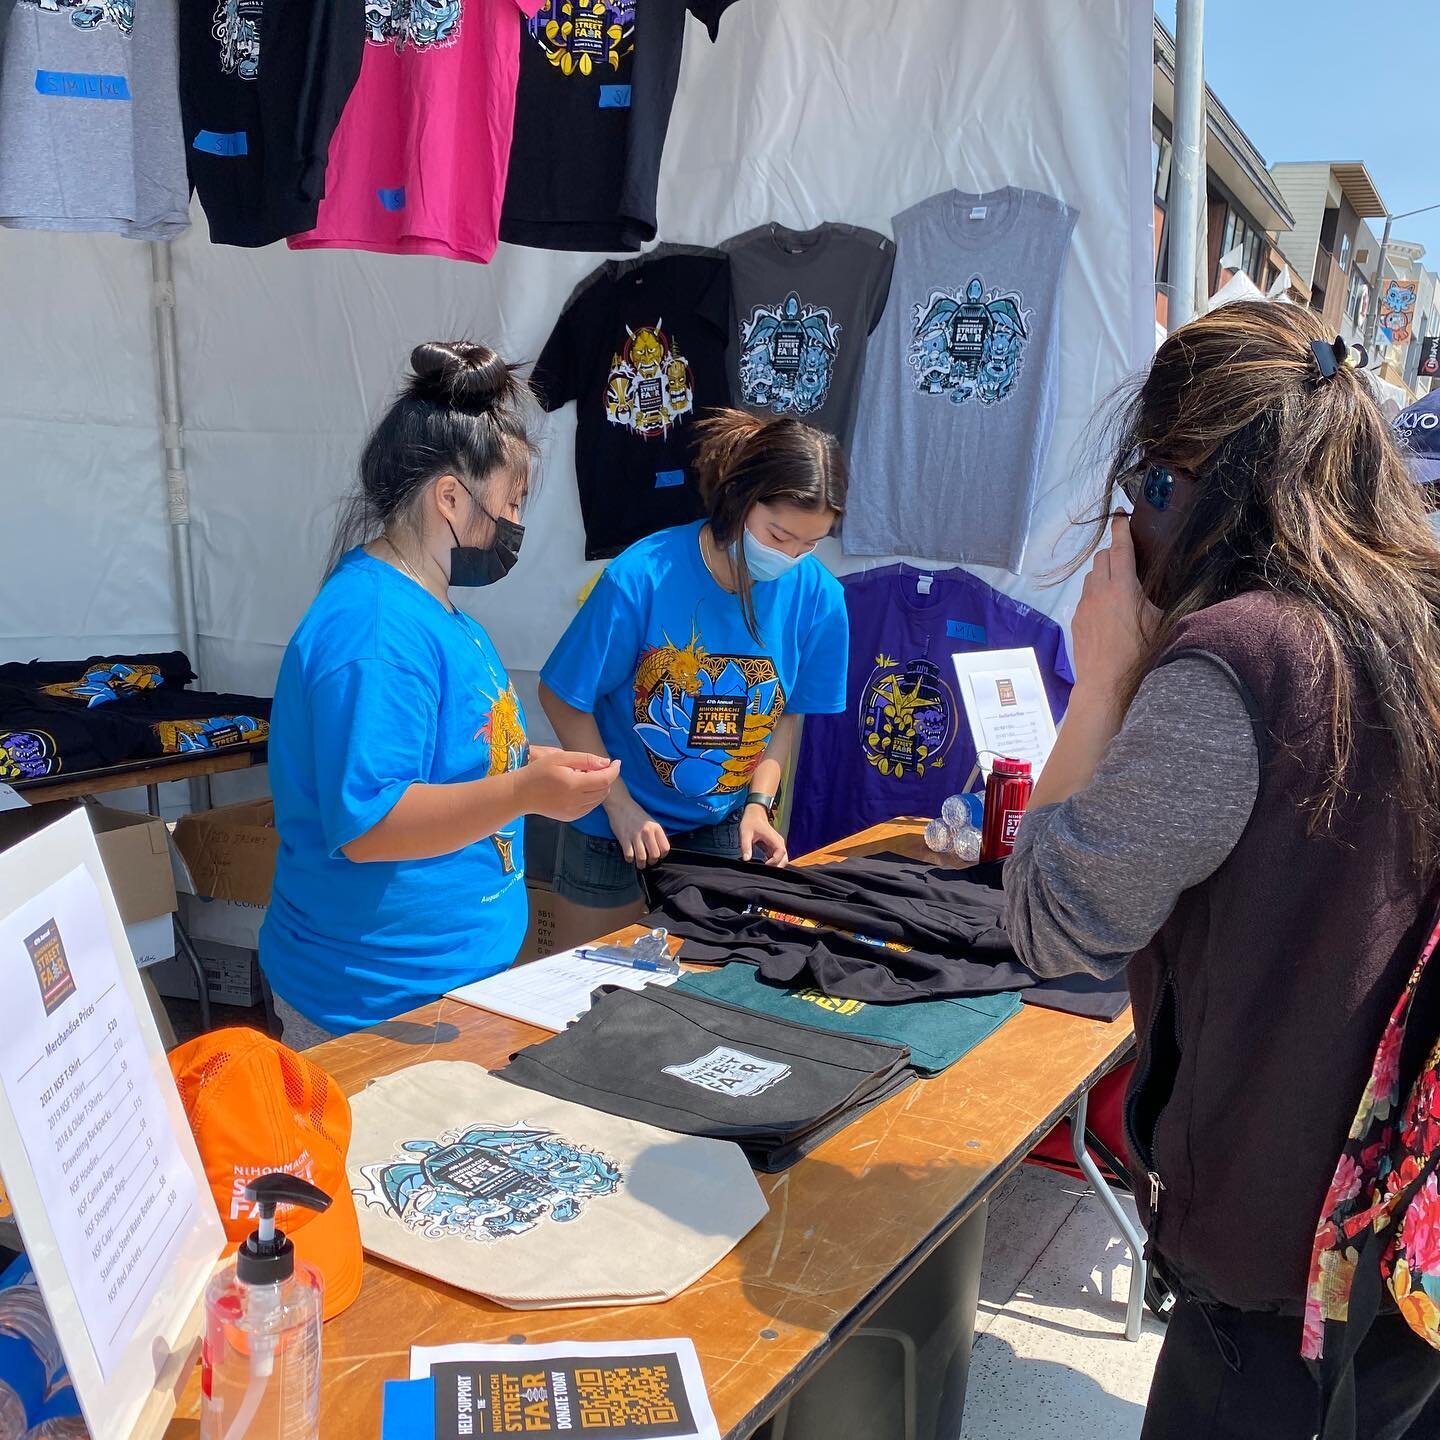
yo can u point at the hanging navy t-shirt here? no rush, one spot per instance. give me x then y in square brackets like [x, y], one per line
[597, 82]
[903, 744]
[640, 348]
[262, 87]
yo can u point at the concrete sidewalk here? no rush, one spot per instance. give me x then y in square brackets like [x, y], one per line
[1050, 1354]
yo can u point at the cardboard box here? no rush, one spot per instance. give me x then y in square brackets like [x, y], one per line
[232, 975]
[134, 849]
[151, 941]
[230, 852]
[223, 922]
[540, 936]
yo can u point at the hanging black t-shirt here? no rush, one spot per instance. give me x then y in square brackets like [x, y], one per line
[597, 81]
[640, 348]
[262, 86]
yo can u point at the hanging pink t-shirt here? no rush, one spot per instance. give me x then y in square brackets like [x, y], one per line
[417, 165]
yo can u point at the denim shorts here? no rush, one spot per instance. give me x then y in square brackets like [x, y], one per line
[592, 871]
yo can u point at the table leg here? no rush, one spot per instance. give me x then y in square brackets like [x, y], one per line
[198, 966]
[1133, 1239]
[152, 800]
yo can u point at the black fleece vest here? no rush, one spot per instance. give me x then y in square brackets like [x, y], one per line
[1261, 1000]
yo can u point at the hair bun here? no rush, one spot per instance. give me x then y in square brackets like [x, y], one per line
[459, 375]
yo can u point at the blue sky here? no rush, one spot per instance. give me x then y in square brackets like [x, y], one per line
[1336, 80]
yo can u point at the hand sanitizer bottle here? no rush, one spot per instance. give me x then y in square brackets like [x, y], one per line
[260, 1367]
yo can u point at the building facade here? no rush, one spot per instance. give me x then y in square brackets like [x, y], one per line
[1244, 206]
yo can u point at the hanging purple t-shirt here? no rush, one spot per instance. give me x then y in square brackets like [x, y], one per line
[903, 743]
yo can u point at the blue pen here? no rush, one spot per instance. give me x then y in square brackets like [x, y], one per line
[604, 959]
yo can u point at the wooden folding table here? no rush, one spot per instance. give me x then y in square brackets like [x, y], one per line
[847, 1225]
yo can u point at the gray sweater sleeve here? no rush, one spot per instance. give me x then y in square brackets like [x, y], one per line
[1094, 878]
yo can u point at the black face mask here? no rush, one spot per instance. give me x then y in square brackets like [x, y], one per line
[471, 566]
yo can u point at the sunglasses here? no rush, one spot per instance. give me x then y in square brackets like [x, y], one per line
[1155, 484]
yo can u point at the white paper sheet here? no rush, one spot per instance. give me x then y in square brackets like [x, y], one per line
[99, 1162]
[619, 1387]
[551, 993]
[1006, 705]
[92, 1122]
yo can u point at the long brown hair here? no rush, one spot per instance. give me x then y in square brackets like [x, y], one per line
[1301, 491]
[744, 462]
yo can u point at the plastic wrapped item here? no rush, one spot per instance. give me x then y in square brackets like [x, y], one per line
[957, 830]
[962, 811]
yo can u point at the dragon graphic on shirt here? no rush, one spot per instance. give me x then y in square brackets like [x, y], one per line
[504, 732]
[650, 386]
[111, 680]
[87, 16]
[969, 345]
[907, 717]
[423, 24]
[237, 28]
[484, 1183]
[787, 356]
[220, 732]
[705, 719]
[585, 37]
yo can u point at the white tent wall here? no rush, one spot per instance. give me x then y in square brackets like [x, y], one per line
[84, 550]
[806, 110]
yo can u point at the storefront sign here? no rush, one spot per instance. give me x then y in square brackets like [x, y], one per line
[1430, 356]
[1397, 310]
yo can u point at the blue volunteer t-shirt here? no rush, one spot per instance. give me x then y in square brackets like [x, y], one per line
[382, 687]
[683, 694]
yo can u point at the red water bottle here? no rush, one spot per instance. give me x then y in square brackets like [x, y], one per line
[1007, 793]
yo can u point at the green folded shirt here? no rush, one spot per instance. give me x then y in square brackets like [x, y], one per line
[938, 1032]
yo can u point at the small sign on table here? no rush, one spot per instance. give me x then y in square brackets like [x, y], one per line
[98, 1159]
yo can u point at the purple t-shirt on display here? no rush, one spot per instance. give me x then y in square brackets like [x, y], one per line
[903, 743]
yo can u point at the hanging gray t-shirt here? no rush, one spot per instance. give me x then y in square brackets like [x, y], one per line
[806, 303]
[961, 380]
[90, 112]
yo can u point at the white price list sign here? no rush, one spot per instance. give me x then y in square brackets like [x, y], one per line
[97, 1156]
[1006, 705]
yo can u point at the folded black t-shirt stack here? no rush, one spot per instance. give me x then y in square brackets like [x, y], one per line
[70, 716]
[880, 928]
[702, 1067]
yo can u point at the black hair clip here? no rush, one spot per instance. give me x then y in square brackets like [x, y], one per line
[1330, 355]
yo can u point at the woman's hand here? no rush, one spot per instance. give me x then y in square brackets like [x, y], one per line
[642, 841]
[562, 784]
[756, 831]
[1113, 622]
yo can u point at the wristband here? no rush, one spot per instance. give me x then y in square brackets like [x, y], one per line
[765, 802]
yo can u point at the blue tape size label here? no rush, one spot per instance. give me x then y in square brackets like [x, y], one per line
[392, 199]
[70, 85]
[665, 479]
[614, 97]
[216, 142]
[963, 630]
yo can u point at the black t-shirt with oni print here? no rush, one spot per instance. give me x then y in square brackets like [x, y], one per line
[597, 82]
[640, 348]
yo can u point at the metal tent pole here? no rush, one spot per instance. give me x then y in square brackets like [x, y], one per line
[177, 483]
[1187, 205]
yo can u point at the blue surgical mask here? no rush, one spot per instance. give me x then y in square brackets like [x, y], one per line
[765, 562]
